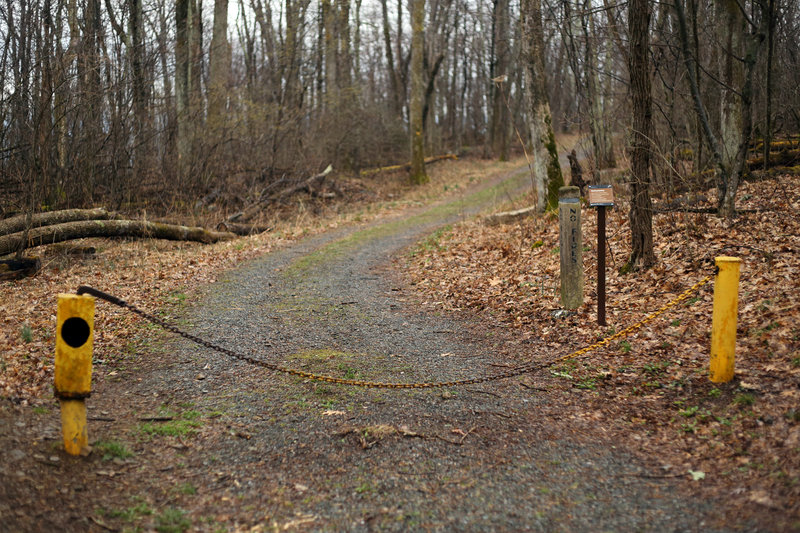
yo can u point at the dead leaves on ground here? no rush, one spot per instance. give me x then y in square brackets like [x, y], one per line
[154, 275]
[652, 388]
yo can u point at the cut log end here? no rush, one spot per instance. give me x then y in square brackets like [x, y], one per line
[19, 268]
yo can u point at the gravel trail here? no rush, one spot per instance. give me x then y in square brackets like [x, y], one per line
[274, 452]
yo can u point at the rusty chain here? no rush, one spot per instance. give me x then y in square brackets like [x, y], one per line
[531, 366]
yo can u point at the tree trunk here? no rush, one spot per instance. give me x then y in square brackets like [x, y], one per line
[183, 22]
[599, 125]
[499, 73]
[136, 52]
[768, 84]
[394, 83]
[108, 228]
[730, 26]
[545, 167]
[20, 222]
[641, 214]
[219, 66]
[418, 175]
[331, 61]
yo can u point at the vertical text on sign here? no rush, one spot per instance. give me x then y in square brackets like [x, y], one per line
[571, 247]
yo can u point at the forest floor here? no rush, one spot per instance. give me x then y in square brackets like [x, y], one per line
[625, 438]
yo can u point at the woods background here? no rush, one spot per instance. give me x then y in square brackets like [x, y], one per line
[127, 103]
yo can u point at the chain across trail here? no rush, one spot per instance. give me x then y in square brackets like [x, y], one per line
[532, 366]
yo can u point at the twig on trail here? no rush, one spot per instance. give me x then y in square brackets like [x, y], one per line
[459, 442]
[102, 524]
[100, 419]
[456, 442]
[502, 415]
[484, 392]
[156, 419]
[501, 365]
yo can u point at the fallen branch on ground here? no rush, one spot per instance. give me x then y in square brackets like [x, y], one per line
[18, 223]
[508, 217]
[242, 229]
[248, 214]
[108, 228]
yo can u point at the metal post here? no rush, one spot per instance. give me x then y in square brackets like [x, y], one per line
[73, 367]
[723, 321]
[601, 265]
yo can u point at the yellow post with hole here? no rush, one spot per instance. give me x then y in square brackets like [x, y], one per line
[73, 372]
[723, 321]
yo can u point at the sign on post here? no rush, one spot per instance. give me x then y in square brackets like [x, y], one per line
[571, 247]
[601, 197]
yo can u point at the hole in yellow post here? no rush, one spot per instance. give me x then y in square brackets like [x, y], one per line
[75, 332]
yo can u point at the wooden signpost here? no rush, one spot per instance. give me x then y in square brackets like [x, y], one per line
[601, 196]
[571, 247]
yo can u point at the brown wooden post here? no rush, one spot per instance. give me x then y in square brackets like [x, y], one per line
[601, 197]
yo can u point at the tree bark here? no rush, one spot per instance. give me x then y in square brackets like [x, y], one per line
[19, 223]
[183, 22]
[545, 167]
[394, 83]
[108, 228]
[641, 213]
[768, 85]
[499, 73]
[418, 174]
[598, 122]
[219, 66]
[730, 26]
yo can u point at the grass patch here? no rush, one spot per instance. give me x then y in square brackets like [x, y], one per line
[112, 450]
[172, 520]
[432, 242]
[26, 333]
[322, 354]
[183, 425]
[744, 399]
[128, 515]
[187, 489]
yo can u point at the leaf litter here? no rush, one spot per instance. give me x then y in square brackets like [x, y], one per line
[738, 440]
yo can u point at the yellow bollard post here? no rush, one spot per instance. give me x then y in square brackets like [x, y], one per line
[73, 367]
[723, 321]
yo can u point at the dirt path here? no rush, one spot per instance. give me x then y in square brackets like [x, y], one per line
[237, 448]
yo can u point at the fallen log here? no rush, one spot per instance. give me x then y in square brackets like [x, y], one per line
[108, 228]
[63, 248]
[783, 158]
[406, 166]
[508, 217]
[18, 223]
[19, 268]
[242, 229]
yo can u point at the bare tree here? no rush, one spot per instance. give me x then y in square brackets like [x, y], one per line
[418, 174]
[546, 169]
[641, 213]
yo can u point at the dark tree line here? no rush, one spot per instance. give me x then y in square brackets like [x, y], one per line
[112, 101]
